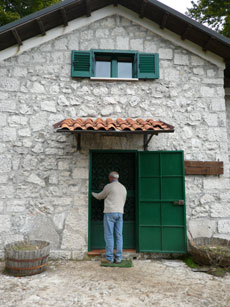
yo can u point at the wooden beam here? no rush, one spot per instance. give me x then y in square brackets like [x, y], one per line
[164, 20]
[142, 8]
[64, 16]
[184, 35]
[206, 44]
[88, 8]
[203, 168]
[17, 37]
[41, 26]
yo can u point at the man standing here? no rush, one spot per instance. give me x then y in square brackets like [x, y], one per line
[114, 194]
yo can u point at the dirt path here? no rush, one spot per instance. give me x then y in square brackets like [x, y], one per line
[148, 283]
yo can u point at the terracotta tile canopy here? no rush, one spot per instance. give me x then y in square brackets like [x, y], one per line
[117, 125]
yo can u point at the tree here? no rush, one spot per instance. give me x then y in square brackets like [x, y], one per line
[215, 13]
[11, 10]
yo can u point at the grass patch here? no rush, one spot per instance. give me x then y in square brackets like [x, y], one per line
[190, 262]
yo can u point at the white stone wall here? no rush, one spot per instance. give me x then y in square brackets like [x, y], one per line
[44, 179]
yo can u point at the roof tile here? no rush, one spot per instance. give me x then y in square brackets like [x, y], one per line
[118, 124]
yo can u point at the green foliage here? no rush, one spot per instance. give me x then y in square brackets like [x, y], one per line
[11, 10]
[215, 13]
[190, 262]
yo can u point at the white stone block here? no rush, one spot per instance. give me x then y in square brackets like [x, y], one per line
[181, 59]
[20, 72]
[102, 33]
[202, 228]
[39, 121]
[3, 178]
[218, 104]
[106, 111]
[211, 119]
[213, 183]
[2, 206]
[16, 120]
[9, 84]
[207, 198]
[150, 46]
[60, 44]
[9, 134]
[211, 73]
[8, 106]
[198, 71]
[24, 132]
[137, 44]
[165, 54]
[16, 205]
[49, 106]
[224, 226]
[24, 59]
[59, 220]
[107, 44]
[33, 178]
[195, 60]
[60, 254]
[220, 210]
[5, 223]
[5, 163]
[63, 165]
[81, 173]
[122, 43]
[100, 91]
[38, 88]
[207, 91]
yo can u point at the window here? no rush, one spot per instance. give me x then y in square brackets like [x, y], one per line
[115, 64]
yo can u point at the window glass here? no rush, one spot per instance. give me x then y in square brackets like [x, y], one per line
[103, 69]
[124, 70]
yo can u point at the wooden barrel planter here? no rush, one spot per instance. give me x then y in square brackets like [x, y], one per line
[210, 251]
[24, 258]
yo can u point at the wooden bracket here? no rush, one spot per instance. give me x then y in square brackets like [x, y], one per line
[164, 20]
[88, 8]
[41, 26]
[185, 33]
[142, 9]
[64, 16]
[207, 43]
[17, 37]
[146, 141]
[115, 2]
[78, 137]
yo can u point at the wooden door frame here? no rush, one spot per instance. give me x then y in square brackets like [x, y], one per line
[90, 184]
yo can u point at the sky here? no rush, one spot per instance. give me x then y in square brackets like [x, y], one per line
[179, 5]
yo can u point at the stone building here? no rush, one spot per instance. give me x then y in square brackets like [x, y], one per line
[48, 172]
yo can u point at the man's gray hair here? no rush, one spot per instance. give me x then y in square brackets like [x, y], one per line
[114, 175]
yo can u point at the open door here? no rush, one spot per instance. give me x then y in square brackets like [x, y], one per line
[161, 225]
[102, 162]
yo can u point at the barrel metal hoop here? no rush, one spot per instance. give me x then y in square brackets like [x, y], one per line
[27, 260]
[32, 268]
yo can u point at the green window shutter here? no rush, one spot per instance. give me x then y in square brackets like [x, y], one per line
[148, 66]
[81, 64]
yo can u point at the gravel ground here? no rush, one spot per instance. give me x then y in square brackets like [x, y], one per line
[85, 283]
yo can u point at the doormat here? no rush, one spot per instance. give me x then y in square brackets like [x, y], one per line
[124, 264]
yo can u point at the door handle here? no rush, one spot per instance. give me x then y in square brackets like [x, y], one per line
[179, 202]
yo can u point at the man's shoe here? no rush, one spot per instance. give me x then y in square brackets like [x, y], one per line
[117, 261]
[105, 260]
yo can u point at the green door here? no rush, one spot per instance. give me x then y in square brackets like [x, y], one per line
[101, 164]
[161, 223]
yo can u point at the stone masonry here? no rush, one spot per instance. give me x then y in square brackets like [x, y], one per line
[44, 179]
